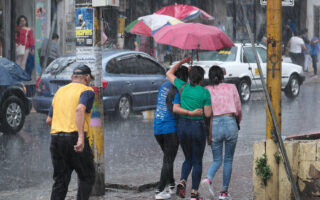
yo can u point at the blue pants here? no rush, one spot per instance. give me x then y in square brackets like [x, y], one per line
[192, 138]
[224, 131]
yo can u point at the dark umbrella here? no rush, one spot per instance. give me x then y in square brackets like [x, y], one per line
[11, 73]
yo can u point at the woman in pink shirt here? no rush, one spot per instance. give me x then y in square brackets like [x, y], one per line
[224, 128]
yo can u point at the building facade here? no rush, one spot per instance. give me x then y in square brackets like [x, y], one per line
[305, 14]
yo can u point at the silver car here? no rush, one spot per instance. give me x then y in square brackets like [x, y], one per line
[131, 80]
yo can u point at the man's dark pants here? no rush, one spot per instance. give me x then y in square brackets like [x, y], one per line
[65, 160]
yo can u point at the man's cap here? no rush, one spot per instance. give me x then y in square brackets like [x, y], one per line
[83, 70]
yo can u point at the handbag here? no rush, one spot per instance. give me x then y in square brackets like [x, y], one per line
[21, 49]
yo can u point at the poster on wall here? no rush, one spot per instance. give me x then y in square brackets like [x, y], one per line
[84, 26]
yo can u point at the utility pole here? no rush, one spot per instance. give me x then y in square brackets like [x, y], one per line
[88, 51]
[274, 58]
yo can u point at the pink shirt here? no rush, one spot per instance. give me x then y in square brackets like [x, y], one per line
[225, 99]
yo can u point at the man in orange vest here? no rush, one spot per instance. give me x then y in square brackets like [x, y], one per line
[69, 117]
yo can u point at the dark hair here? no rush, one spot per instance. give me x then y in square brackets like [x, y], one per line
[20, 17]
[215, 75]
[55, 36]
[196, 75]
[181, 73]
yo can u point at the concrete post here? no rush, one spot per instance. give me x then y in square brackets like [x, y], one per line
[88, 37]
[97, 129]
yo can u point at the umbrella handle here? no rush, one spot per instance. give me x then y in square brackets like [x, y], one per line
[197, 52]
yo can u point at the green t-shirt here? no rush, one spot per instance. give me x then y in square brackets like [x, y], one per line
[193, 97]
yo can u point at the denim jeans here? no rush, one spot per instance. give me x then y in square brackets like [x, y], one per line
[192, 139]
[224, 131]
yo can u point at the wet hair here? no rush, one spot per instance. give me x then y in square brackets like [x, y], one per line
[20, 17]
[181, 73]
[55, 36]
[215, 75]
[196, 75]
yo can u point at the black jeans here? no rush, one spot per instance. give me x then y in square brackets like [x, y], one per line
[314, 64]
[297, 58]
[65, 160]
[169, 145]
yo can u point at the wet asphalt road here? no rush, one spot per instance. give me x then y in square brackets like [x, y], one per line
[132, 155]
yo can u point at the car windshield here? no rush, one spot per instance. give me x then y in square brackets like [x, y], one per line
[227, 54]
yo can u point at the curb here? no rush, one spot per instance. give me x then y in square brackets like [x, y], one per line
[140, 188]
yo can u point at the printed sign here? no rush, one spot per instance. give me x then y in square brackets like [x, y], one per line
[284, 2]
[84, 26]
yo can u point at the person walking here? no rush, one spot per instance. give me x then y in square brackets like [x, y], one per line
[225, 120]
[54, 51]
[307, 56]
[191, 129]
[315, 48]
[295, 47]
[165, 130]
[69, 117]
[24, 41]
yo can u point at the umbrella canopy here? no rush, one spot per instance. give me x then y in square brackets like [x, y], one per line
[11, 73]
[193, 36]
[149, 24]
[184, 12]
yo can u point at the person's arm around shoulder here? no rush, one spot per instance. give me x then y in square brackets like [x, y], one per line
[85, 105]
[171, 71]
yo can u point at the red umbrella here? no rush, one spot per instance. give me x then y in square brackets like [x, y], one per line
[184, 12]
[193, 36]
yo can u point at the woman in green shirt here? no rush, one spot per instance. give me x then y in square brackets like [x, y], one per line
[191, 129]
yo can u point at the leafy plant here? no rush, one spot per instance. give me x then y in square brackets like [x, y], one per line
[263, 169]
[277, 157]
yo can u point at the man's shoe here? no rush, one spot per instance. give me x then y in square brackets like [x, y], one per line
[163, 195]
[206, 189]
[172, 188]
[181, 189]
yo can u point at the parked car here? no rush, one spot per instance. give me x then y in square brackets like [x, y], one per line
[241, 69]
[14, 106]
[130, 81]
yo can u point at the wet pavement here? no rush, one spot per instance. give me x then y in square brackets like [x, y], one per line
[133, 158]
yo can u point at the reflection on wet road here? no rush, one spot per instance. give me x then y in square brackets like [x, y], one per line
[132, 154]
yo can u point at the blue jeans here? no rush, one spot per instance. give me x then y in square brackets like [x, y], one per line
[224, 131]
[192, 139]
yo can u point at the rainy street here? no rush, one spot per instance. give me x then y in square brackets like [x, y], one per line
[132, 156]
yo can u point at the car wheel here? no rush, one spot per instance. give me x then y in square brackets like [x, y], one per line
[293, 87]
[244, 90]
[124, 107]
[13, 114]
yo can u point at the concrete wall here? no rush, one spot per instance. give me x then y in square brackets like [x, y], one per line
[310, 16]
[66, 26]
[304, 158]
